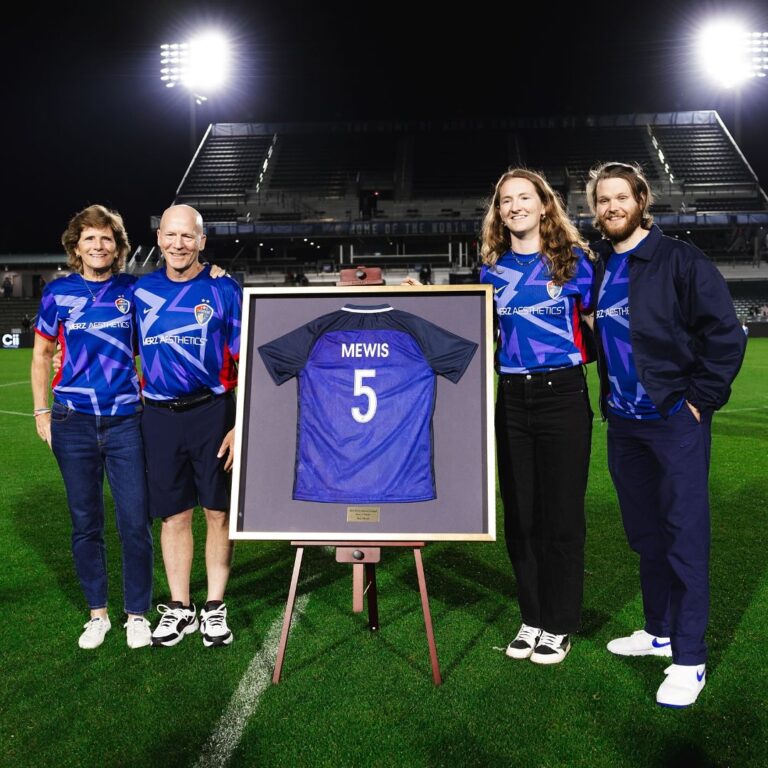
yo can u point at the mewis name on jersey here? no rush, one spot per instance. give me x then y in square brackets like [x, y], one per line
[377, 349]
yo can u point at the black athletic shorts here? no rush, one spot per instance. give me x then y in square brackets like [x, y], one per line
[180, 447]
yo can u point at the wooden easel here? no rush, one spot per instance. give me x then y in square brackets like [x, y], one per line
[363, 555]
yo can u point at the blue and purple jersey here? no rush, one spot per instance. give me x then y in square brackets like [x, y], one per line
[366, 394]
[93, 323]
[627, 396]
[539, 321]
[189, 334]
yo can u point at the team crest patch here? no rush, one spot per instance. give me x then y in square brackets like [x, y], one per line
[203, 313]
[123, 305]
[553, 290]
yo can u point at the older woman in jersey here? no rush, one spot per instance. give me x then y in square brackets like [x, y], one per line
[541, 274]
[93, 423]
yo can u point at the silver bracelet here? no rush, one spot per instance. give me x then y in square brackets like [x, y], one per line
[38, 411]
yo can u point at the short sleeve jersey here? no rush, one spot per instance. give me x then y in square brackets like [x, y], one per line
[366, 394]
[539, 321]
[627, 397]
[189, 334]
[93, 323]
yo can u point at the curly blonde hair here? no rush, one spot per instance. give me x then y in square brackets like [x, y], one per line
[558, 236]
[99, 217]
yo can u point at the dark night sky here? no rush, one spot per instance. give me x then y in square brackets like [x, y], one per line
[86, 119]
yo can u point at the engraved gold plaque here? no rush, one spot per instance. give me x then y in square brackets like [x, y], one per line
[363, 514]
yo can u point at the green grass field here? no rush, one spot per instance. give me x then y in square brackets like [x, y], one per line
[349, 697]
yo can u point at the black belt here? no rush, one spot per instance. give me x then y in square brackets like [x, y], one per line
[185, 403]
[542, 376]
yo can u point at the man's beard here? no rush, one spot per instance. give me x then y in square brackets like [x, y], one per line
[616, 234]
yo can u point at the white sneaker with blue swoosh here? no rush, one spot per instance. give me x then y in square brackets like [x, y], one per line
[682, 685]
[641, 643]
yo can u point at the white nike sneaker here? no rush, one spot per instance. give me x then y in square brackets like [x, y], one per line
[641, 643]
[682, 685]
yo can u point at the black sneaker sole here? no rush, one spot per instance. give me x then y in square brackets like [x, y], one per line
[217, 642]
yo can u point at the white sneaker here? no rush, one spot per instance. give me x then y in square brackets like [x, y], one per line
[94, 633]
[524, 643]
[138, 632]
[551, 649]
[682, 685]
[213, 625]
[641, 643]
[175, 622]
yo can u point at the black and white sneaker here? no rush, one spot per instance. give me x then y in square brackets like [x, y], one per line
[213, 626]
[524, 643]
[551, 649]
[175, 622]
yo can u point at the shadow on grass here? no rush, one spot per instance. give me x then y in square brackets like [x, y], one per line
[458, 578]
[737, 564]
[358, 634]
[41, 519]
[266, 578]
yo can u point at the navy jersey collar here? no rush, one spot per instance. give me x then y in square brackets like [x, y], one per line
[367, 310]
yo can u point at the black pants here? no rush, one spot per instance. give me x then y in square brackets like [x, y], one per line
[543, 437]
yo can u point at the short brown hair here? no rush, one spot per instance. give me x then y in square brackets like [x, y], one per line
[99, 217]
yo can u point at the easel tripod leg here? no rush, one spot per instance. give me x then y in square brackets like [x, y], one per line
[427, 617]
[288, 615]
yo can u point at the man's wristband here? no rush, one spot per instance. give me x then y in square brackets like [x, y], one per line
[38, 411]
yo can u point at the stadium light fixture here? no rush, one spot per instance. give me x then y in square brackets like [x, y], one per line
[731, 56]
[200, 66]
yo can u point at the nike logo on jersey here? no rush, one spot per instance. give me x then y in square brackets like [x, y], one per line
[146, 309]
[499, 289]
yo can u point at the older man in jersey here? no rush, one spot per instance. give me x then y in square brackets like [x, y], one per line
[671, 346]
[189, 339]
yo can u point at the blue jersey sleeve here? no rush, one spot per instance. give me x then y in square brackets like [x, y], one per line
[234, 322]
[47, 324]
[286, 356]
[584, 280]
[447, 354]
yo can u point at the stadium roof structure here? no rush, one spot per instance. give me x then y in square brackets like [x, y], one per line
[330, 178]
[352, 192]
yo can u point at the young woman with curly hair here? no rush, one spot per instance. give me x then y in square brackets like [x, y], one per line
[541, 273]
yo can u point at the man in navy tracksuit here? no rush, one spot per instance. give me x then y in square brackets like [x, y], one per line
[663, 373]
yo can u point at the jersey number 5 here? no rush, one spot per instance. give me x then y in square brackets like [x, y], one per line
[361, 390]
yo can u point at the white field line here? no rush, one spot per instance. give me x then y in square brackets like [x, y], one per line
[741, 410]
[16, 413]
[14, 383]
[218, 750]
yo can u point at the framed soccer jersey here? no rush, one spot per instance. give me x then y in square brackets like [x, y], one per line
[365, 414]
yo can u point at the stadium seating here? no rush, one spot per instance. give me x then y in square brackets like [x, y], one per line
[381, 190]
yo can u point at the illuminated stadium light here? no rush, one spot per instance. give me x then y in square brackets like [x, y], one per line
[200, 65]
[731, 55]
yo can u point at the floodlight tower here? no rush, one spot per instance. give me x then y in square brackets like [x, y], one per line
[732, 56]
[200, 66]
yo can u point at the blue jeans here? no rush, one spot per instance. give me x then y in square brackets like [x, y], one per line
[85, 446]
